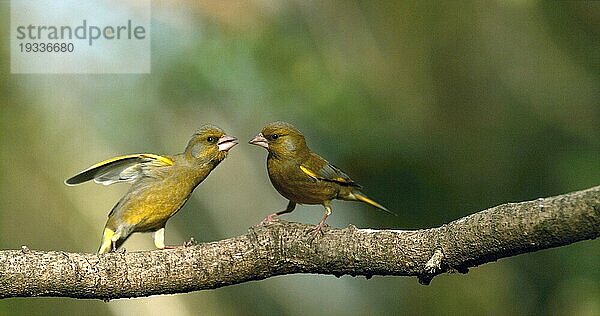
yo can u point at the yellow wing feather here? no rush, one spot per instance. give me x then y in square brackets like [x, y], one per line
[165, 160]
[309, 172]
[328, 172]
[108, 171]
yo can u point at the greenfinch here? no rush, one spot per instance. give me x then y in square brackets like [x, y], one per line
[160, 185]
[302, 176]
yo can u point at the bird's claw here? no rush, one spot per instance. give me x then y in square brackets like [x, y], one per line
[269, 219]
[190, 243]
[318, 230]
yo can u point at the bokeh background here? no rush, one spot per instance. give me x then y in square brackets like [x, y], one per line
[439, 109]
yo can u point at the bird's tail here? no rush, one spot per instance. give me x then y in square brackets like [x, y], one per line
[363, 198]
[106, 241]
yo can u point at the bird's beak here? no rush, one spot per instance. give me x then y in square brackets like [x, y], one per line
[225, 142]
[259, 140]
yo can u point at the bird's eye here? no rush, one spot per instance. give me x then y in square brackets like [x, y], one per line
[210, 139]
[274, 136]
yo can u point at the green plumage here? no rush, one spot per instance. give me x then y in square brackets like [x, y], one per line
[160, 185]
[302, 176]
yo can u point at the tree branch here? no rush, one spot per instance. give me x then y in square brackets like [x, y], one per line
[286, 248]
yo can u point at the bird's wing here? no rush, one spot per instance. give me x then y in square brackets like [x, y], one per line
[320, 169]
[120, 169]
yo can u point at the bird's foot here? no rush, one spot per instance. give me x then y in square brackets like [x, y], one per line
[318, 230]
[269, 219]
[191, 242]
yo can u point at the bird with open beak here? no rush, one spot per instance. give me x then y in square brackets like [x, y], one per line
[160, 185]
[302, 176]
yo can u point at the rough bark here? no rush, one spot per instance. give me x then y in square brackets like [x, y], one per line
[285, 248]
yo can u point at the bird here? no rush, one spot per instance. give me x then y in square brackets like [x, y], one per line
[302, 176]
[160, 185]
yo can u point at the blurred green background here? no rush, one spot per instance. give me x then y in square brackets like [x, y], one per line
[439, 109]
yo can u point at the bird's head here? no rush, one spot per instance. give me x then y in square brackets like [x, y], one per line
[209, 143]
[281, 139]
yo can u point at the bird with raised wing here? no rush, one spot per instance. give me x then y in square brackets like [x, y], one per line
[160, 185]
